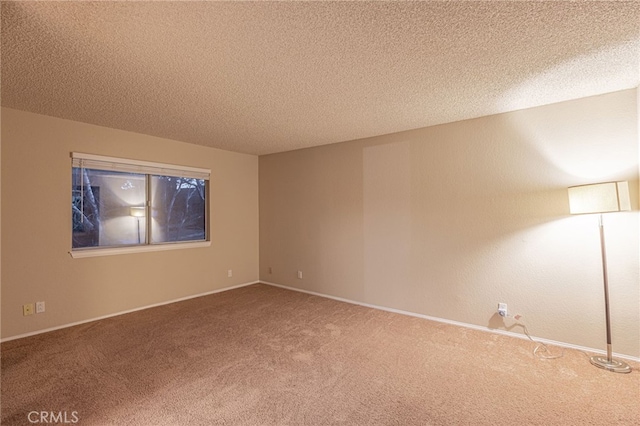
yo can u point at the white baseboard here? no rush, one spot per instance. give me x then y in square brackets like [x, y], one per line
[460, 324]
[46, 330]
[340, 299]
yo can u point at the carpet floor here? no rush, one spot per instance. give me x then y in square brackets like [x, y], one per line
[261, 355]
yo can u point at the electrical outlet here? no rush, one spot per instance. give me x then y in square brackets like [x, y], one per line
[27, 309]
[299, 275]
[39, 307]
[230, 273]
[502, 309]
[270, 270]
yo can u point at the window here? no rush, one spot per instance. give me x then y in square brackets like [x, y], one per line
[120, 206]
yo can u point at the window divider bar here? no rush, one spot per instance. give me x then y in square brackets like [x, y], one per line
[147, 209]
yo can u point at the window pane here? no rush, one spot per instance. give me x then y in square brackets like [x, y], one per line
[107, 208]
[178, 207]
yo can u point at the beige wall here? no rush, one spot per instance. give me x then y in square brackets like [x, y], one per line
[444, 221]
[36, 226]
[447, 221]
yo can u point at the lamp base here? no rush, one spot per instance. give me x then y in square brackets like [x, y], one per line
[613, 365]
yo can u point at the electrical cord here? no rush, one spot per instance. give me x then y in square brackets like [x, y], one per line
[541, 350]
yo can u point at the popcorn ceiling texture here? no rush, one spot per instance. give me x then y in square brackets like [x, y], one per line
[265, 77]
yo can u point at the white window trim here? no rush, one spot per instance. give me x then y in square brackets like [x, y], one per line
[102, 162]
[111, 251]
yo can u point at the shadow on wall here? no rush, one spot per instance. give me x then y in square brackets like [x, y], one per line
[497, 322]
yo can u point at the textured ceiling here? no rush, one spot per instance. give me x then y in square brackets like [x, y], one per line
[264, 77]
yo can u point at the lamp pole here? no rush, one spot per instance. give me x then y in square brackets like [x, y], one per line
[607, 363]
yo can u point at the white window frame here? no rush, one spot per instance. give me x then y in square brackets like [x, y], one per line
[100, 162]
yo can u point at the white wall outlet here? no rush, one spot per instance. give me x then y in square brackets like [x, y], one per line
[230, 273]
[299, 275]
[27, 309]
[502, 309]
[39, 307]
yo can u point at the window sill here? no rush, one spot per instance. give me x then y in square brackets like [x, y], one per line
[76, 254]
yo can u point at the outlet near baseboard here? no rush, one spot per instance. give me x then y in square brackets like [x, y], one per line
[27, 309]
[502, 309]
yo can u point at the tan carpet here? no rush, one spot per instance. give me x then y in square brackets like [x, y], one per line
[260, 355]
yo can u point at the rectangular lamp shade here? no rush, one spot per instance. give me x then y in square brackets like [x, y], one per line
[137, 211]
[599, 198]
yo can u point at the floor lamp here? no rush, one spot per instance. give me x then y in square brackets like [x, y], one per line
[602, 198]
[137, 212]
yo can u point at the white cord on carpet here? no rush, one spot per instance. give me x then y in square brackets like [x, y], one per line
[541, 350]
